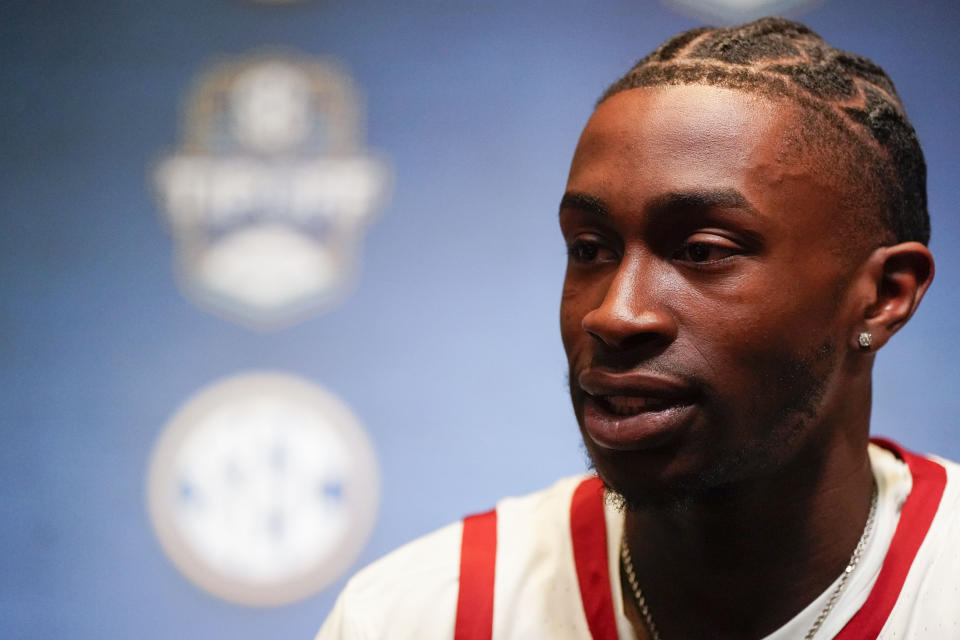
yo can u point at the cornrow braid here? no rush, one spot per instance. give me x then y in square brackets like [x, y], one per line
[851, 95]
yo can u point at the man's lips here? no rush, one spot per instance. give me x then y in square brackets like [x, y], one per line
[634, 410]
[630, 405]
[634, 387]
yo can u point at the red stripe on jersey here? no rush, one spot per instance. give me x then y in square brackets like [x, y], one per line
[929, 481]
[588, 528]
[478, 561]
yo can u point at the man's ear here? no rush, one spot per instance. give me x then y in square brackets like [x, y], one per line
[899, 276]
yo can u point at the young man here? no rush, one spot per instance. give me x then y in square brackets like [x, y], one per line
[746, 223]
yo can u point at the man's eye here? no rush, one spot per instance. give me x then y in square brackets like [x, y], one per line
[704, 252]
[586, 251]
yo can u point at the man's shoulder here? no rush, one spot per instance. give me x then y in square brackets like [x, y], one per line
[940, 479]
[929, 526]
[931, 480]
[952, 466]
[416, 586]
[948, 511]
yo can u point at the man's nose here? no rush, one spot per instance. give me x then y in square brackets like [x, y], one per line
[633, 311]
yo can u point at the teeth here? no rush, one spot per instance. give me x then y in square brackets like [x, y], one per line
[629, 405]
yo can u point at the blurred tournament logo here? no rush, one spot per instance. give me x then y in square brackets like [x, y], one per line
[263, 489]
[734, 11]
[271, 190]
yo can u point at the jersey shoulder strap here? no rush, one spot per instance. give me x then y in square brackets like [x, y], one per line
[478, 561]
[929, 482]
[588, 531]
[478, 558]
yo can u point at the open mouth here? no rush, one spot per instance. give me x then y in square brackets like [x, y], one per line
[636, 422]
[626, 406]
[635, 410]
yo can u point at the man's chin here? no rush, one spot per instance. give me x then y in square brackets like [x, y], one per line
[679, 497]
[678, 479]
[638, 481]
[636, 485]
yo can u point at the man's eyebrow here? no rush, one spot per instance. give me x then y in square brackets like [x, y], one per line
[701, 199]
[584, 202]
[675, 201]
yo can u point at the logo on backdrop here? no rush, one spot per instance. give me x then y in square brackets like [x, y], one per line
[271, 190]
[734, 11]
[263, 489]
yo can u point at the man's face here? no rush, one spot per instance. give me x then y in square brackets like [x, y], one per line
[703, 309]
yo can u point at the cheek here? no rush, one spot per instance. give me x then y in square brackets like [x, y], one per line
[577, 299]
[753, 327]
[571, 318]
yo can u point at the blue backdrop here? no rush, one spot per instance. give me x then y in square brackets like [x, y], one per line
[448, 350]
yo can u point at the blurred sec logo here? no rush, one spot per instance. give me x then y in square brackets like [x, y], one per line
[263, 489]
[271, 190]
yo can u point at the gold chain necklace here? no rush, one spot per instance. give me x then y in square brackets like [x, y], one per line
[851, 565]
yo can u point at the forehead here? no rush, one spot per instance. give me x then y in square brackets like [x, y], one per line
[643, 143]
[669, 117]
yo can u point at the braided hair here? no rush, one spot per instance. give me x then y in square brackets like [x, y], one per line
[848, 104]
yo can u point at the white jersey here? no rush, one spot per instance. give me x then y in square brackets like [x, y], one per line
[547, 566]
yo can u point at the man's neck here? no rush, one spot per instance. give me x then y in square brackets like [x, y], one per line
[742, 563]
